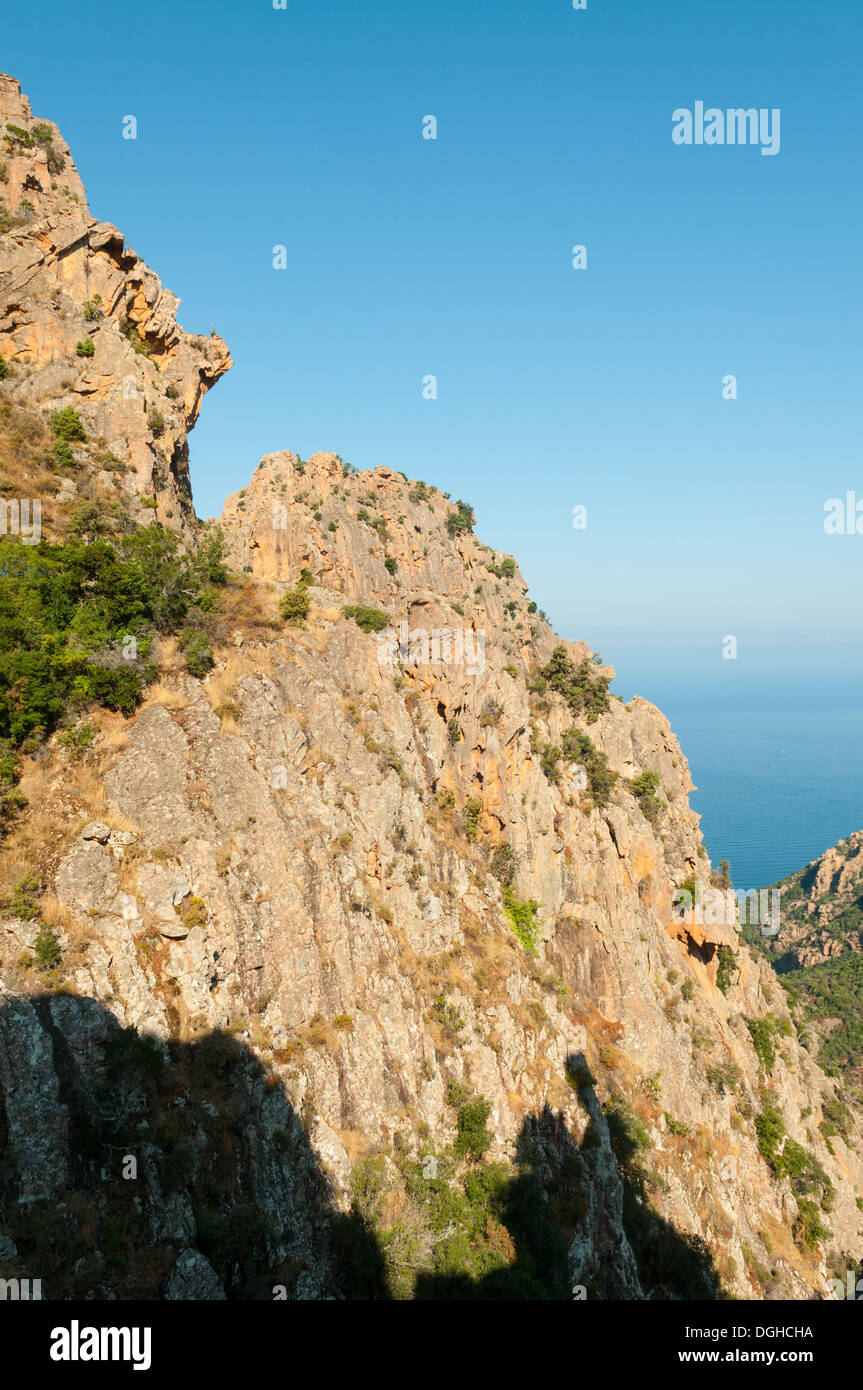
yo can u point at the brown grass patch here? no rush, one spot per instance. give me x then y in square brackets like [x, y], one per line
[163, 692]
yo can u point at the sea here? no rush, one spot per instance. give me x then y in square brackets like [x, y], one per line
[774, 744]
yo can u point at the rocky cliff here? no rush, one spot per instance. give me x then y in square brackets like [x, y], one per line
[83, 321]
[818, 952]
[349, 967]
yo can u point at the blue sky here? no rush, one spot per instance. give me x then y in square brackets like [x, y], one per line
[557, 387]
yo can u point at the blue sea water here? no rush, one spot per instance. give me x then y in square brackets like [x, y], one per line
[775, 748]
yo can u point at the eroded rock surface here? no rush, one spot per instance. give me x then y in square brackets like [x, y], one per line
[292, 884]
[70, 285]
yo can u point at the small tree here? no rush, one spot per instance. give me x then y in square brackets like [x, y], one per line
[46, 950]
[66, 424]
[473, 1137]
[460, 520]
[294, 606]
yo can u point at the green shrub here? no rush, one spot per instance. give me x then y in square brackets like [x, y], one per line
[390, 565]
[197, 652]
[626, 1132]
[504, 863]
[472, 813]
[770, 1132]
[4, 370]
[453, 732]
[294, 606]
[85, 347]
[549, 760]
[139, 344]
[473, 1137]
[22, 899]
[644, 789]
[193, 913]
[46, 950]
[837, 1117]
[67, 611]
[156, 421]
[726, 969]
[92, 309]
[17, 138]
[585, 693]
[763, 1034]
[461, 520]
[12, 801]
[577, 747]
[367, 619]
[449, 1015]
[66, 424]
[507, 568]
[457, 1094]
[78, 739]
[523, 915]
[808, 1229]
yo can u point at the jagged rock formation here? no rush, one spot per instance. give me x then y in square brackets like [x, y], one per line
[301, 876]
[66, 279]
[822, 906]
[819, 951]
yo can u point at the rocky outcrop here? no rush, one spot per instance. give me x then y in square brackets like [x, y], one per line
[818, 950]
[85, 323]
[822, 906]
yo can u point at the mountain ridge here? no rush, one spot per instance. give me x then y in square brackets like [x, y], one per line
[412, 916]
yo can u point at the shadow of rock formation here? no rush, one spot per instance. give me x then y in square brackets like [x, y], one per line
[136, 1169]
[132, 1168]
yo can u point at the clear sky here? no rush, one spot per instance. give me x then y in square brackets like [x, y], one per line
[408, 257]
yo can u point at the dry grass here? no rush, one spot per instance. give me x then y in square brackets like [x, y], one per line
[62, 794]
[356, 1145]
[115, 735]
[164, 693]
[59, 916]
[250, 607]
[48, 824]
[167, 657]
[221, 685]
[319, 613]
[779, 1241]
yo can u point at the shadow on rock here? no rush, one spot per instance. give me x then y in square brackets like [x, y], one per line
[136, 1169]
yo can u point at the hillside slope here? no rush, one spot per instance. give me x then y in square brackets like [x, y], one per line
[818, 954]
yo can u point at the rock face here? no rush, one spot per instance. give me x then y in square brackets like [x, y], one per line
[85, 323]
[819, 950]
[822, 905]
[363, 870]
